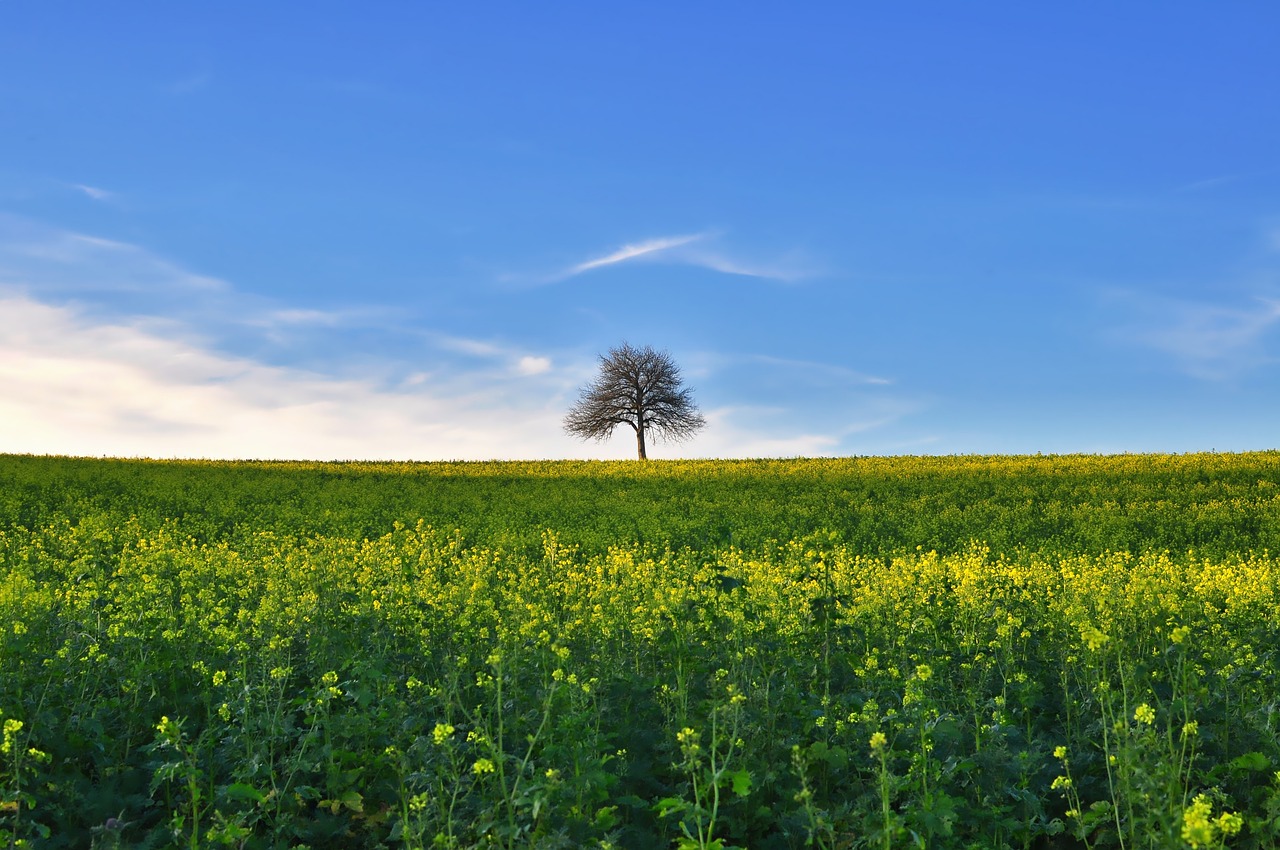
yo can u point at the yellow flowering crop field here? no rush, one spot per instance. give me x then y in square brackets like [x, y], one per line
[963, 652]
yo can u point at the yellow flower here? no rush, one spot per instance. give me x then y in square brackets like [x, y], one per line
[482, 766]
[167, 729]
[878, 742]
[1093, 638]
[1144, 714]
[442, 734]
[1229, 823]
[1060, 752]
[1197, 829]
[12, 727]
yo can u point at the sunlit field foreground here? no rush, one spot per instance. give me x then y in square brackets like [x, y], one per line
[938, 652]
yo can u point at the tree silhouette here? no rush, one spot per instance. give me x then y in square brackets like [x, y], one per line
[640, 388]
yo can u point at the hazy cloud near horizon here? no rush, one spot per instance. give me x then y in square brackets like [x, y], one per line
[84, 369]
[70, 386]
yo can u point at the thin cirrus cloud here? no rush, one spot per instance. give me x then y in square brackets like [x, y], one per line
[519, 362]
[754, 431]
[112, 278]
[695, 249]
[120, 278]
[1207, 341]
[1223, 180]
[652, 248]
[93, 192]
[56, 260]
[825, 371]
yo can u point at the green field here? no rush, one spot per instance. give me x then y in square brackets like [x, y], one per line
[963, 652]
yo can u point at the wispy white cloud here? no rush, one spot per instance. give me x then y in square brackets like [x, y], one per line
[1210, 341]
[827, 371]
[56, 260]
[649, 248]
[306, 317]
[269, 317]
[463, 345]
[787, 270]
[93, 192]
[513, 359]
[1221, 180]
[766, 431]
[736, 432]
[858, 412]
[1208, 183]
[119, 278]
[703, 250]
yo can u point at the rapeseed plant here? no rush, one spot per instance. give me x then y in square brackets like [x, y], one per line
[343, 669]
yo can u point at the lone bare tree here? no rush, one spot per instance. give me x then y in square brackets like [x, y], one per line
[640, 388]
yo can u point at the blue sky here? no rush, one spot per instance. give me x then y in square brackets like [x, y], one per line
[406, 230]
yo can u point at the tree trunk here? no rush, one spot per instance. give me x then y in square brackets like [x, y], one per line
[640, 443]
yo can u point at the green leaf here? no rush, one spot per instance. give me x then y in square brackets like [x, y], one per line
[632, 801]
[353, 801]
[837, 757]
[349, 800]
[1253, 762]
[242, 792]
[741, 782]
[667, 805]
[606, 818]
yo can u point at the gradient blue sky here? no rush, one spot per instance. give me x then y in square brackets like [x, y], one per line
[406, 230]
